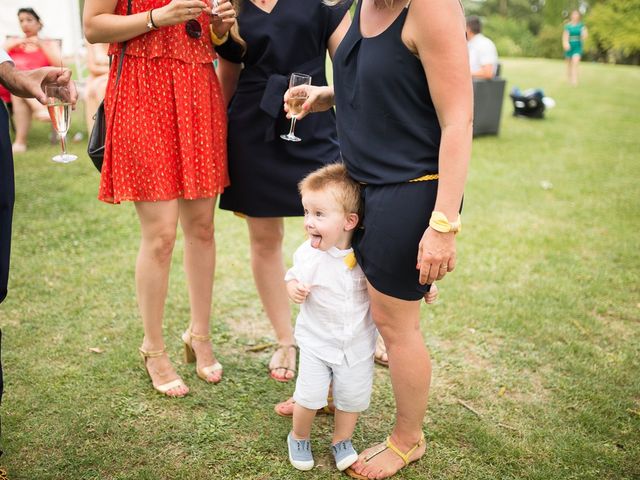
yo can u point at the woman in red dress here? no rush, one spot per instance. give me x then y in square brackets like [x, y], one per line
[166, 152]
[29, 52]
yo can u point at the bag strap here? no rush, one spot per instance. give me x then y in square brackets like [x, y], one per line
[124, 47]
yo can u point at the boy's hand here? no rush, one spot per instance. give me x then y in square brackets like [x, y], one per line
[297, 291]
[432, 295]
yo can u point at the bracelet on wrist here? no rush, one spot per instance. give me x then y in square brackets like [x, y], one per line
[156, 27]
[215, 39]
[440, 223]
[150, 23]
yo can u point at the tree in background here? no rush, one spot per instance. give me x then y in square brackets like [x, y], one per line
[614, 28]
[533, 28]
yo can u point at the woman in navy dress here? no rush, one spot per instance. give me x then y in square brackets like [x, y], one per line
[282, 37]
[405, 128]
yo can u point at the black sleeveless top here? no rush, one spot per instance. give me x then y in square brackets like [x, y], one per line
[387, 125]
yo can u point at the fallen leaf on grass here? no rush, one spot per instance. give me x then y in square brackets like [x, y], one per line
[96, 350]
[580, 327]
[502, 391]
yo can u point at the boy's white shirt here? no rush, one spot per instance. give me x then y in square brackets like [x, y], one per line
[335, 321]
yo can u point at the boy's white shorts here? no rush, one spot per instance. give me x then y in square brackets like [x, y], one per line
[351, 384]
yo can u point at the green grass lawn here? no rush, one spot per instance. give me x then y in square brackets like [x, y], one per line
[535, 340]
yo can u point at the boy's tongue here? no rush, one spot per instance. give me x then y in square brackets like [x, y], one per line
[315, 241]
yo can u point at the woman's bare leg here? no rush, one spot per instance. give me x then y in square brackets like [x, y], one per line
[196, 219]
[158, 222]
[21, 119]
[410, 367]
[575, 61]
[267, 263]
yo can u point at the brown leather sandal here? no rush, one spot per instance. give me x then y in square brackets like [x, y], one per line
[285, 409]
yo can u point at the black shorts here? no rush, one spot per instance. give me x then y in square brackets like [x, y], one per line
[386, 245]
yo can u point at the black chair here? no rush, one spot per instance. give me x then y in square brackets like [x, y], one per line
[487, 104]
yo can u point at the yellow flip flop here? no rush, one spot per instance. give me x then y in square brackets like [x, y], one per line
[388, 444]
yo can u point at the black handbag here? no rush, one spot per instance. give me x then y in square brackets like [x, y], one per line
[98, 136]
[95, 147]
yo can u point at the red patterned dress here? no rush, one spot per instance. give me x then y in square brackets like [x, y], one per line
[166, 119]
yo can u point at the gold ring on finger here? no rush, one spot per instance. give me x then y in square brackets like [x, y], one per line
[443, 267]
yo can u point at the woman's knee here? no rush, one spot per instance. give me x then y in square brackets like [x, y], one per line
[21, 110]
[395, 319]
[267, 238]
[200, 231]
[161, 245]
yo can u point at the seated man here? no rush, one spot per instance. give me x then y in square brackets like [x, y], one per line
[483, 56]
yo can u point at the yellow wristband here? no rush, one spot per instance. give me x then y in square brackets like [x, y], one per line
[215, 39]
[440, 223]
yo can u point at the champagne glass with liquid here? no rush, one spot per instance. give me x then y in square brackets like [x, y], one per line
[59, 106]
[295, 103]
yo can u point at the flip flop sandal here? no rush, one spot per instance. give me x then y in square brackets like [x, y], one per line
[381, 349]
[388, 444]
[284, 363]
[326, 410]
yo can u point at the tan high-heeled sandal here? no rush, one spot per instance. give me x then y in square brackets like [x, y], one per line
[190, 356]
[165, 387]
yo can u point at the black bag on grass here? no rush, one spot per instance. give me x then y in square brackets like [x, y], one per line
[528, 103]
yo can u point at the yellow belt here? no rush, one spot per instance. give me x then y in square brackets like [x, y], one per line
[424, 178]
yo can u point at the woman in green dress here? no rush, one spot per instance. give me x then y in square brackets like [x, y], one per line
[573, 36]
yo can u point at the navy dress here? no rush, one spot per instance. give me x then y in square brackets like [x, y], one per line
[264, 169]
[390, 139]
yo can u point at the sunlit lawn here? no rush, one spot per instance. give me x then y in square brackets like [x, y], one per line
[535, 341]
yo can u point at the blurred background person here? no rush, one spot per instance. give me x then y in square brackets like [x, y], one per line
[483, 55]
[98, 66]
[573, 37]
[28, 53]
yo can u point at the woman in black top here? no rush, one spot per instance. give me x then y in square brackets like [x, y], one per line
[403, 99]
[282, 37]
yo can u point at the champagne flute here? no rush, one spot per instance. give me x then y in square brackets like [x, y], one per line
[295, 102]
[59, 106]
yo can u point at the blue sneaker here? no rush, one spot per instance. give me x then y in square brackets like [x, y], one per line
[300, 454]
[344, 454]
